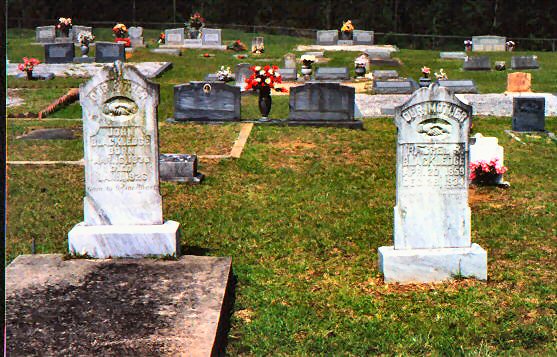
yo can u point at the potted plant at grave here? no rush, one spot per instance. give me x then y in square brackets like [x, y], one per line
[468, 45]
[64, 26]
[360, 66]
[120, 31]
[27, 66]
[263, 79]
[441, 75]
[425, 80]
[225, 74]
[485, 172]
[346, 30]
[85, 38]
[237, 46]
[307, 61]
[195, 23]
[162, 38]
[509, 45]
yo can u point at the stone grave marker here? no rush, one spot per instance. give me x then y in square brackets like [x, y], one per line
[122, 205]
[289, 74]
[45, 34]
[77, 29]
[167, 51]
[179, 168]
[459, 86]
[241, 73]
[332, 74]
[487, 148]
[327, 37]
[174, 36]
[59, 52]
[453, 55]
[322, 101]
[211, 37]
[206, 101]
[290, 60]
[384, 74]
[480, 63]
[519, 82]
[378, 53]
[136, 36]
[432, 217]
[488, 43]
[528, 114]
[361, 37]
[406, 86]
[525, 62]
[110, 52]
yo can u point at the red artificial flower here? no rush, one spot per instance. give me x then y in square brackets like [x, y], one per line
[125, 40]
[28, 64]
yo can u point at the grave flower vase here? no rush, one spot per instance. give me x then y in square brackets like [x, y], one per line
[29, 75]
[360, 71]
[265, 102]
[306, 71]
[425, 82]
[345, 35]
[84, 50]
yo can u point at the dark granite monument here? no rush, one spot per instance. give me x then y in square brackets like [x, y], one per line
[332, 74]
[109, 52]
[59, 52]
[481, 63]
[459, 86]
[524, 62]
[407, 86]
[206, 101]
[528, 114]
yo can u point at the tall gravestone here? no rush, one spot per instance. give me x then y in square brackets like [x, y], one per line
[432, 217]
[122, 205]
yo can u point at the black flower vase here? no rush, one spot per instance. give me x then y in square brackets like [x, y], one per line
[265, 102]
[30, 75]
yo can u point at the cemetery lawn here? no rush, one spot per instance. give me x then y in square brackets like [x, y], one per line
[302, 214]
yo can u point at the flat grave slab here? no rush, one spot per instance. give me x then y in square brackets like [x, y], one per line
[481, 63]
[49, 134]
[167, 51]
[384, 74]
[332, 73]
[131, 307]
[524, 62]
[459, 86]
[394, 87]
[453, 55]
[148, 69]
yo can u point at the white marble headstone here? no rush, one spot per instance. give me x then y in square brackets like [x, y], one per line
[487, 148]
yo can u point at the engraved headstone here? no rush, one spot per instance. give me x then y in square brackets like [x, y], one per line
[384, 74]
[122, 205]
[290, 60]
[363, 37]
[289, 74]
[322, 101]
[179, 168]
[206, 101]
[45, 34]
[525, 62]
[174, 36]
[59, 52]
[327, 37]
[459, 86]
[519, 82]
[432, 217]
[453, 55]
[528, 114]
[481, 63]
[488, 43]
[406, 86]
[242, 72]
[378, 53]
[332, 74]
[109, 52]
[136, 36]
[211, 37]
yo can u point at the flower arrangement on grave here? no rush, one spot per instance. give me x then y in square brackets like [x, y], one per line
[162, 38]
[425, 80]
[64, 25]
[257, 48]
[28, 65]
[85, 38]
[441, 75]
[360, 64]
[196, 21]
[121, 33]
[468, 45]
[426, 71]
[237, 46]
[346, 30]
[224, 74]
[486, 172]
[510, 45]
[263, 79]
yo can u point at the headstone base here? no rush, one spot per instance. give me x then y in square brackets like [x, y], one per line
[431, 265]
[134, 241]
[84, 59]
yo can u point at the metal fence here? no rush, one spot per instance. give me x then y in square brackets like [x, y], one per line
[402, 40]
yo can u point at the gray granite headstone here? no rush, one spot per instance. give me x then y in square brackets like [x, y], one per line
[211, 37]
[394, 87]
[179, 168]
[524, 62]
[332, 74]
[289, 74]
[242, 72]
[432, 218]
[290, 60]
[327, 37]
[174, 36]
[59, 52]
[361, 37]
[528, 114]
[481, 63]
[453, 55]
[206, 101]
[384, 74]
[488, 43]
[316, 101]
[109, 52]
[459, 86]
[136, 36]
[45, 34]
[378, 53]
[123, 205]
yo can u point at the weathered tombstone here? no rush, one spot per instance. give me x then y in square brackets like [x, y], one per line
[179, 168]
[452, 55]
[77, 30]
[136, 36]
[525, 62]
[488, 43]
[519, 82]
[257, 45]
[174, 36]
[481, 63]
[110, 52]
[322, 101]
[59, 52]
[242, 72]
[395, 87]
[211, 37]
[327, 37]
[289, 74]
[486, 148]
[363, 37]
[378, 53]
[206, 101]
[528, 114]
[290, 60]
[332, 74]
[45, 34]
[459, 86]
[384, 74]
[432, 217]
[123, 205]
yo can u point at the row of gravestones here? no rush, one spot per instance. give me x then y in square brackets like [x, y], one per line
[209, 38]
[330, 38]
[483, 63]
[47, 34]
[65, 52]
[123, 205]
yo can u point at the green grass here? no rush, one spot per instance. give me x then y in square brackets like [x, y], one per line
[302, 214]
